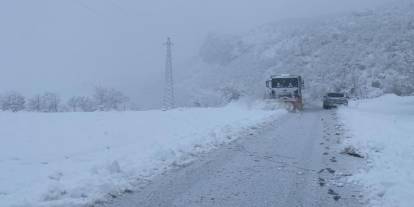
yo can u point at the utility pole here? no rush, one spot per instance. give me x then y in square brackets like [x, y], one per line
[169, 102]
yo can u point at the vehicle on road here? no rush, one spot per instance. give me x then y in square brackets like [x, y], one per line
[287, 89]
[332, 100]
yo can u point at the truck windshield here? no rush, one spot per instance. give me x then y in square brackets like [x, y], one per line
[285, 83]
[336, 95]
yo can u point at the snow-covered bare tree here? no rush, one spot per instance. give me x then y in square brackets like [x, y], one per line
[73, 103]
[87, 104]
[108, 99]
[34, 103]
[50, 102]
[82, 103]
[13, 101]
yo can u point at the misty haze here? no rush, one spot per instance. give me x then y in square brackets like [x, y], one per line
[119, 103]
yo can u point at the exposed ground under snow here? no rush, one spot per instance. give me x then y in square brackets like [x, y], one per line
[383, 130]
[75, 158]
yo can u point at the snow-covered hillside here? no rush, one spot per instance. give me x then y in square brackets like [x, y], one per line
[365, 53]
[383, 130]
[65, 159]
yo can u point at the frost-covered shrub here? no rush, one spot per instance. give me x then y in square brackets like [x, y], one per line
[216, 97]
[230, 94]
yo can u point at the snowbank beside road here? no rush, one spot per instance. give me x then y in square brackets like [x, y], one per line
[74, 158]
[383, 129]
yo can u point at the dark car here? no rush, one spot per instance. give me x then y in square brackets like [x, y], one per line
[331, 100]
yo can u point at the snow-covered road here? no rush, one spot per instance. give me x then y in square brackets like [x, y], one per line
[295, 161]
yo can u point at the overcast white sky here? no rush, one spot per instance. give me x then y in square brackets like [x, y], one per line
[70, 46]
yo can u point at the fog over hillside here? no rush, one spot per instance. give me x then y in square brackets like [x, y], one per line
[365, 53]
[71, 46]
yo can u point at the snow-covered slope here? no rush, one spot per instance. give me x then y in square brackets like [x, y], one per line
[383, 130]
[365, 53]
[73, 158]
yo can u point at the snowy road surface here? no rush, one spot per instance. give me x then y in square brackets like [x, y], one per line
[293, 162]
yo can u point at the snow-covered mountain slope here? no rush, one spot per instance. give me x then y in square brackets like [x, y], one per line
[67, 159]
[383, 130]
[365, 53]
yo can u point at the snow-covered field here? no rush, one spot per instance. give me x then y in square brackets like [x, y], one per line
[383, 130]
[74, 158]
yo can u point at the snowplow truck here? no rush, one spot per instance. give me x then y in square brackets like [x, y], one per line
[286, 89]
